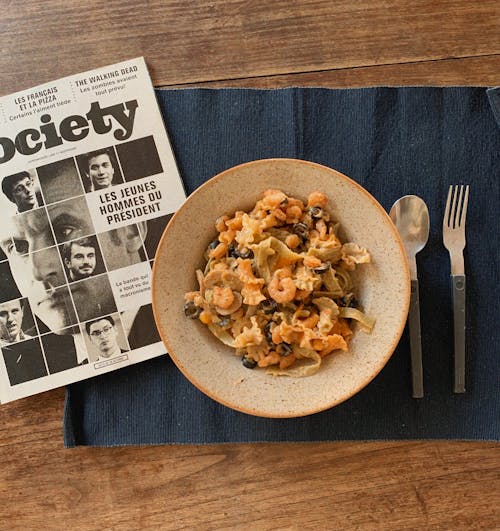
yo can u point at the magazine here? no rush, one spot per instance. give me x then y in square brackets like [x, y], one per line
[88, 183]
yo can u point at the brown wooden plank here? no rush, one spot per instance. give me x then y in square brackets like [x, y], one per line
[194, 41]
[379, 485]
[473, 71]
[349, 485]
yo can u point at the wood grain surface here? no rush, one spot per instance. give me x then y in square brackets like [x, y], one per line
[351, 485]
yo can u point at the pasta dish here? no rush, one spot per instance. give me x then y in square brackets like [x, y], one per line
[277, 286]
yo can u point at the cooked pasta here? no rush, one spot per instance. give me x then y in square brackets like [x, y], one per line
[277, 286]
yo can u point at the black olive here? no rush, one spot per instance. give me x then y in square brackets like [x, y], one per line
[349, 301]
[224, 321]
[249, 363]
[268, 306]
[191, 310]
[284, 349]
[301, 229]
[316, 212]
[268, 334]
[213, 244]
[323, 268]
[232, 250]
[246, 253]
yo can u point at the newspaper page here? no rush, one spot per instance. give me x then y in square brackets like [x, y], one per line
[88, 183]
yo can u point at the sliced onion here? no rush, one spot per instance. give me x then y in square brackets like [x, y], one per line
[353, 313]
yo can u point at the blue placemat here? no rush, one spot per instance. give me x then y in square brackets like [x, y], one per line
[393, 141]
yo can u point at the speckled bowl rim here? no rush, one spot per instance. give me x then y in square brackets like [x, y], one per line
[307, 411]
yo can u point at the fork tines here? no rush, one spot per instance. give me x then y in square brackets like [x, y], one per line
[454, 225]
[456, 217]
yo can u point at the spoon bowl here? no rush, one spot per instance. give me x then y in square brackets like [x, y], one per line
[411, 217]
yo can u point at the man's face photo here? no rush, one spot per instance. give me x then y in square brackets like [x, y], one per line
[101, 171]
[20, 189]
[11, 318]
[104, 336]
[36, 268]
[80, 259]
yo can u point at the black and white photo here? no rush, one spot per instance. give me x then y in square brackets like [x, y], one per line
[24, 361]
[140, 327]
[139, 158]
[9, 289]
[105, 337]
[65, 350]
[59, 180]
[99, 169]
[155, 228]
[70, 219]
[93, 297]
[123, 247]
[16, 322]
[48, 264]
[82, 258]
[22, 190]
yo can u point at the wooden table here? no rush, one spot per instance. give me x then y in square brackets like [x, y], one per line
[257, 43]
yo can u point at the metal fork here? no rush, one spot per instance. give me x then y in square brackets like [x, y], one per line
[454, 241]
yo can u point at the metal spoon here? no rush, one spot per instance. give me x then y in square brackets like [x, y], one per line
[411, 217]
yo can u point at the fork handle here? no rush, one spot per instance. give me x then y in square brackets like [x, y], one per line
[458, 283]
[415, 342]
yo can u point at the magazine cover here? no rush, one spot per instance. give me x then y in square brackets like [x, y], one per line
[88, 183]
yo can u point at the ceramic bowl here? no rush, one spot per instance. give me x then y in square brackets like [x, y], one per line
[383, 288]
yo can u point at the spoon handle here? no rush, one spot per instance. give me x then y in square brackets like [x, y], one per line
[415, 342]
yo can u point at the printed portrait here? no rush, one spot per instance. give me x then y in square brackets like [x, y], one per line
[16, 322]
[99, 169]
[22, 190]
[82, 258]
[105, 337]
[59, 180]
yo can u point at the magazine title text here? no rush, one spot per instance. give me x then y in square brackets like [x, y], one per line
[71, 129]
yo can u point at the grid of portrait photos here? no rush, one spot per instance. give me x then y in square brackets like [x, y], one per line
[57, 307]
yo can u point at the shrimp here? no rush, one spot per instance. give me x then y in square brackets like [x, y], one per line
[292, 241]
[220, 223]
[293, 214]
[311, 261]
[227, 236]
[322, 229]
[318, 199]
[282, 288]
[273, 358]
[219, 251]
[223, 297]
